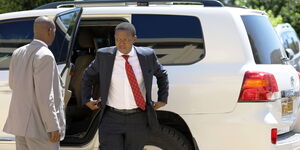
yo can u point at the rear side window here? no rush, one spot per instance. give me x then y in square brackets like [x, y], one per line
[15, 33]
[265, 44]
[177, 40]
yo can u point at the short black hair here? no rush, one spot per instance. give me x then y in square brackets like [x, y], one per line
[126, 26]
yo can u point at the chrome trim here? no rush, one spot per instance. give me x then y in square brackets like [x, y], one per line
[7, 139]
[289, 93]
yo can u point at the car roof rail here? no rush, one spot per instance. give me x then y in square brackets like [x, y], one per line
[205, 3]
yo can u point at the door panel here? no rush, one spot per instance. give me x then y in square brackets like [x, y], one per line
[23, 34]
[67, 23]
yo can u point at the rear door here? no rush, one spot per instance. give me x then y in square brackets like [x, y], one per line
[66, 25]
[17, 32]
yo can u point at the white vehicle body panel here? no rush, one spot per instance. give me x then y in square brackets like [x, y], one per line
[204, 94]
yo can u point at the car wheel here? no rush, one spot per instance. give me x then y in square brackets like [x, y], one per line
[167, 138]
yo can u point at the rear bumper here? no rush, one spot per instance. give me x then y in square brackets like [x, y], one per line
[289, 141]
[248, 127]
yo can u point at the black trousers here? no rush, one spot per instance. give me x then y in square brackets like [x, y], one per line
[120, 131]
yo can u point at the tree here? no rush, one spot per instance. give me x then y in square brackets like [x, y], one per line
[18, 5]
[279, 11]
[291, 14]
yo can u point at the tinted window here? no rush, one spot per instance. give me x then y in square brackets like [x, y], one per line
[175, 39]
[68, 21]
[14, 33]
[59, 46]
[65, 24]
[265, 44]
[290, 40]
[285, 40]
[295, 42]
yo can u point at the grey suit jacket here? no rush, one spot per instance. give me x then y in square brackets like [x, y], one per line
[37, 105]
[102, 67]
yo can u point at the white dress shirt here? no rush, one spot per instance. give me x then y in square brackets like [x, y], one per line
[120, 95]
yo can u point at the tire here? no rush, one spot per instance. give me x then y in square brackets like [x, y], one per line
[167, 138]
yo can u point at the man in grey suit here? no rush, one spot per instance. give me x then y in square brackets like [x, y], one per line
[36, 114]
[125, 74]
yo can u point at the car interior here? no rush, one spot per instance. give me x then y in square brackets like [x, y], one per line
[82, 123]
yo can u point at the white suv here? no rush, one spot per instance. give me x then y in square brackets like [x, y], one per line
[231, 85]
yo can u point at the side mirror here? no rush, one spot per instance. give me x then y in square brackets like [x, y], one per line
[290, 53]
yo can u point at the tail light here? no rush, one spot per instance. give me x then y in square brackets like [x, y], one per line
[258, 87]
[274, 136]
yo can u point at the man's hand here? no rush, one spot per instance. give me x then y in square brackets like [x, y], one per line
[93, 105]
[55, 136]
[157, 105]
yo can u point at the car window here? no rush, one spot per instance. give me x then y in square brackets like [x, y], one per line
[177, 40]
[285, 39]
[295, 41]
[265, 44]
[290, 40]
[15, 33]
[65, 25]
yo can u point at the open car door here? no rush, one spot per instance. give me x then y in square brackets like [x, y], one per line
[18, 32]
[67, 23]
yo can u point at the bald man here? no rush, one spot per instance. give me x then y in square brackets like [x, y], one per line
[36, 115]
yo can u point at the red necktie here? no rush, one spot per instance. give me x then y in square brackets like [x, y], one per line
[138, 97]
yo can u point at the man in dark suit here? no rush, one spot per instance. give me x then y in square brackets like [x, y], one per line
[125, 74]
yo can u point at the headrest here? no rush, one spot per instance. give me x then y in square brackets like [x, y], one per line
[85, 40]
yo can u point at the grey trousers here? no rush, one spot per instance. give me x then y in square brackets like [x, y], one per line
[26, 143]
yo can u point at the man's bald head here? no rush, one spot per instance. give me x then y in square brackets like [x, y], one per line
[44, 29]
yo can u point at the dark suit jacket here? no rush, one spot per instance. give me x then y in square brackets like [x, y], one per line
[102, 67]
